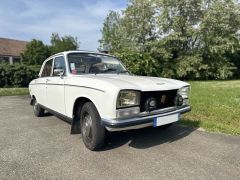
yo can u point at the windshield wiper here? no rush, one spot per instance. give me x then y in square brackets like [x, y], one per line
[112, 70]
[106, 71]
[124, 71]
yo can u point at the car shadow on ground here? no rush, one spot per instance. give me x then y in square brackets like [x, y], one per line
[144, 138]
[147, 137]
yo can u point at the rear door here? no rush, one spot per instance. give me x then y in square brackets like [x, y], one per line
[55, 87]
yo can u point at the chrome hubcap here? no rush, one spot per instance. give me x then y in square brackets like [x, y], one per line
[87, 126]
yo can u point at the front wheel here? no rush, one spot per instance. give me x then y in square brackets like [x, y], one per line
[38, 111]
[93, 133]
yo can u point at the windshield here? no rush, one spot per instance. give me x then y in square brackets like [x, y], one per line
[87, 63]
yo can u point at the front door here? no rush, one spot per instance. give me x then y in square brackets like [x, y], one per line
[55, 87]
[41, 82]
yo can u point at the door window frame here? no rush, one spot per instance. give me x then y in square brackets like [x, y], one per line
[65, 73]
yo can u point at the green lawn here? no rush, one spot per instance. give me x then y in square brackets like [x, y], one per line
[215, 106]
[13, 91]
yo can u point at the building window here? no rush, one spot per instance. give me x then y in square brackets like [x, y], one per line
[4, 60]
[16, 60]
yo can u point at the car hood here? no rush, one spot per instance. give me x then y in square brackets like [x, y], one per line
[142, 83]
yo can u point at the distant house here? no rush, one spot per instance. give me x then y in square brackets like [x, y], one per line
[10, 50]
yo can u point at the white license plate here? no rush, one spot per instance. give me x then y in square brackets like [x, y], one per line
[158, 121]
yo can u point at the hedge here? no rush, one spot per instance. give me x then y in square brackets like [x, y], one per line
[17, 75]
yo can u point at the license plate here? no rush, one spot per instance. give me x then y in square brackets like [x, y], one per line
[158, 121]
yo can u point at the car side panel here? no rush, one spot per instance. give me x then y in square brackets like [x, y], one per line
[38, 89]
[104, 103]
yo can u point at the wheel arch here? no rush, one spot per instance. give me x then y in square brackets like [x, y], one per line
[79, 102]
[77, 106]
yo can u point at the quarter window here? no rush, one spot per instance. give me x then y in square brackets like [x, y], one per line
[47, 70]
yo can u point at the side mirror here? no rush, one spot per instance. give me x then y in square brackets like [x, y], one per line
[58, 72]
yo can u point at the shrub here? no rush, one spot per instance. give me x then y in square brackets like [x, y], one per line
[17, 75]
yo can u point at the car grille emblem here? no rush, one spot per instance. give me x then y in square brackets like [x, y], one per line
[163, 99]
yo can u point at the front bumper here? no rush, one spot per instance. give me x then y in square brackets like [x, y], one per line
[145, 118]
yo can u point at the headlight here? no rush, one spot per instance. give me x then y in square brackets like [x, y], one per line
[184, 92]
[128, 98]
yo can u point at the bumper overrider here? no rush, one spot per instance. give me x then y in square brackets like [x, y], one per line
[143, 119]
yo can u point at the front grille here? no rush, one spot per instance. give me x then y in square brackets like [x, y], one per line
[162, 102]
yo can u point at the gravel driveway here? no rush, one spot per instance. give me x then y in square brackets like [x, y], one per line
[43, 148]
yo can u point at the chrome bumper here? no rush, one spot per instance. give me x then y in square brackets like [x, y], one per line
[145, 118]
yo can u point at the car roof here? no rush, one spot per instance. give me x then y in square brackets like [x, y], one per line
[79, 51]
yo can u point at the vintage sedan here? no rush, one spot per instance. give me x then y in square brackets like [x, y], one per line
[96, 93]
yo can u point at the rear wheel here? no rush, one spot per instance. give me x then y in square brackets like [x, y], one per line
[38, 111]
[93, 133]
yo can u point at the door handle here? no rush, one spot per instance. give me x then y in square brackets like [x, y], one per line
[47, 80]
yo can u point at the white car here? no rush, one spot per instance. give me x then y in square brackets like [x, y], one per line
[96, 93]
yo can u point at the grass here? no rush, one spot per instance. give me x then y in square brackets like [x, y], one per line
[215, 106]
[13, 91]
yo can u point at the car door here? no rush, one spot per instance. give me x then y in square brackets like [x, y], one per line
[55, 86]
[44, 74]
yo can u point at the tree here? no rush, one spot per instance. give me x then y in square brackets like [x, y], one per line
[66, 43]
[110, 32]
[139, 22]
[130, 34]
[219, 38]
[187, 39]
[200, 33]
[178, 23]
[131, 31]
[36, 52]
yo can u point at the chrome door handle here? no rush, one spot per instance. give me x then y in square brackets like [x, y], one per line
[47, 80]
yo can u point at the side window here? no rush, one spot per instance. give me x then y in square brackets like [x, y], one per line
[47, 70]
[59, 63]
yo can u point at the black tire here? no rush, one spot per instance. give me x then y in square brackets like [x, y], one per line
[38, 111]
[166, 126]
[93, 133]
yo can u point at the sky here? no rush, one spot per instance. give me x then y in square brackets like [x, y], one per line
[38, 19]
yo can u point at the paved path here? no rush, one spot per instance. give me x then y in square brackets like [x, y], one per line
[42, 148]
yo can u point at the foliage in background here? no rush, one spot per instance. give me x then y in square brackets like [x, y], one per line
[17, 75]
[59, 44]
[185, 39]
[36, 52]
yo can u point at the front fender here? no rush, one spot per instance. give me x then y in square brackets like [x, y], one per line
[103, 101]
